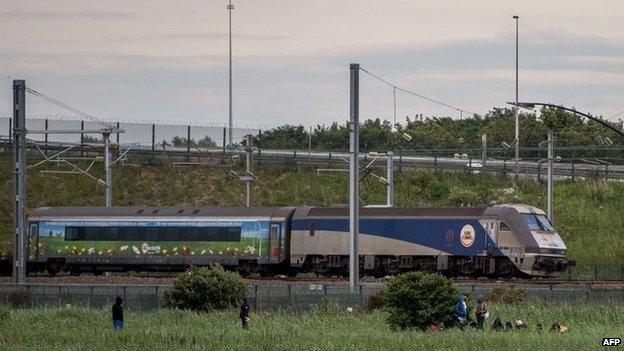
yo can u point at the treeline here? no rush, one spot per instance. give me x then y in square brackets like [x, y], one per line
[448, 133]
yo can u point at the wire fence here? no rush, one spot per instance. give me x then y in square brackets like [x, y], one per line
[288, 297]
[148, 135]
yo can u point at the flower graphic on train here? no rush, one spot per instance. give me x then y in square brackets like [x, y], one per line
[250, 250]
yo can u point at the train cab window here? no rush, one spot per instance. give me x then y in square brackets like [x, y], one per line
[531, 221]
[312, 229]
[504, 226]
[545, 223]
[71, 233]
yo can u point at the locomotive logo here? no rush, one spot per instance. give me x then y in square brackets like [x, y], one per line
[467, 236]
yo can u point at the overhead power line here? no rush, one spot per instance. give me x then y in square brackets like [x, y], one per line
[615, 114]
[410, 92]
[69, 108]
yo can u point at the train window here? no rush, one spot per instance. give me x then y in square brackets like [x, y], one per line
[151, 233]
[546, 225]
[192, 234]
[531, 221]
[71, 233]
[504, 226]
[312, 229]
[112, 233]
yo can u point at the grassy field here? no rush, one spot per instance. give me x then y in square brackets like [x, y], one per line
[587, 213]
[84, 329]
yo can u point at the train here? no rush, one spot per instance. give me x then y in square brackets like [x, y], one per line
[497, 241]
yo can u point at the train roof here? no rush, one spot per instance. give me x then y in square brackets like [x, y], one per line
[159, 211]
[320, 212]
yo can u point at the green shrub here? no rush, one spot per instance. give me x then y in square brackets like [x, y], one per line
[4, 315]
[206, 289]
[416, 300]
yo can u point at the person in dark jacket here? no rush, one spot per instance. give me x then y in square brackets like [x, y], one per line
[244, 314]
[118, 321]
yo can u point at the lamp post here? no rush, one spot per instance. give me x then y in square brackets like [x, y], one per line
[230, 7]
[517, 132]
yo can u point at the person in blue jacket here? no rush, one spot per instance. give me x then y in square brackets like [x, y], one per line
[461, 311]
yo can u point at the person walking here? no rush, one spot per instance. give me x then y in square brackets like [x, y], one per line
[461, 311]
[118, 320]
[244, 314]
[481, 311]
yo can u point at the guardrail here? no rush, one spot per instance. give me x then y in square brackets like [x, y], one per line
[567, 168]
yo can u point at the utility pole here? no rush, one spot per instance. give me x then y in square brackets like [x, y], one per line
[230, 7]
[551, 143]
[248, 161]
[354, 141]
[517, 112]
[19, 191]
[390, 179]
[108, 185]
[484, 153]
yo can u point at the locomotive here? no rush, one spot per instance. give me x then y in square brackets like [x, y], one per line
[500, 240]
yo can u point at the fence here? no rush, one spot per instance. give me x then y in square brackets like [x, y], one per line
[285, 297]
[148, 135]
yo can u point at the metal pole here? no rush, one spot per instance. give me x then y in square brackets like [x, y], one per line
[517, 112]
[107, 170]
[390, 179]
[310, 144]
[484, 154]
[353, 176]
[248, 161]
[230, 7]
[19, 207]
[46, 137]
[81, 138]
[550, 174]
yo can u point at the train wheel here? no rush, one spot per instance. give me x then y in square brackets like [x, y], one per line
[75, 271]
[53, 267]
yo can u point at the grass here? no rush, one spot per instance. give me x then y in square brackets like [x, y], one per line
[587, 213]
[85, 329]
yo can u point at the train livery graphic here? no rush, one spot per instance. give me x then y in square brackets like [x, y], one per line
[501, 240]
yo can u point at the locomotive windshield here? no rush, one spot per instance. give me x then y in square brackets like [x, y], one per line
[538, 222]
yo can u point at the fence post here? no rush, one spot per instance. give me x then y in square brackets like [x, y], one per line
[46, 137]
[81, 137]
[188, 143]
[595, 272]
[153, 138]
[606, 171]
[572, 169]
[505, 167]
[622, 272]
[224, 136]
[256, 297]
[117, 137]
[539, 171]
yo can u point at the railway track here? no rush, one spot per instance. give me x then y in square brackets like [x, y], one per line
[88, 279]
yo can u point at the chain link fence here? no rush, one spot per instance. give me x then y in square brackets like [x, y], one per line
[288, 297]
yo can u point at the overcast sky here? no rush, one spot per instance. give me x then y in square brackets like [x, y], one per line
[167, 60]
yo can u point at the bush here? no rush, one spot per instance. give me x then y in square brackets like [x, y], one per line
[419, 299]
[375, 301]
[206, 289]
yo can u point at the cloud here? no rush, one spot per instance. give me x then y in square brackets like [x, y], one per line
[85, 14]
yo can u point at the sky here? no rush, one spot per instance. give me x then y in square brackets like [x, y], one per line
[145, 60]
